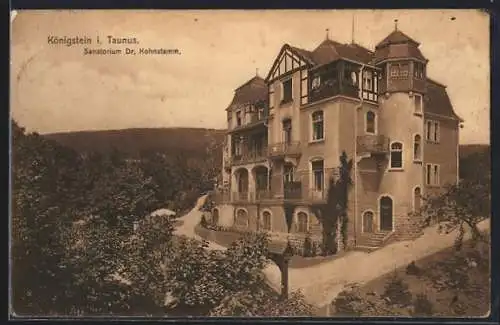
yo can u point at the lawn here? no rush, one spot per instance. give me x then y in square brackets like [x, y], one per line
[456, 283]
[226, 238]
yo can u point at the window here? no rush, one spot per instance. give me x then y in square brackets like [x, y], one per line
[287, 131]
[316, 82]
[394, 70]
[288, 173]
[417, 199]
[404, 70]
[266, 220]
[417, 148]
[436, 132]
[318, 174]
[432, 175]
[241, 218]
[396, 155]
[432, 132]
[302, 222]
[287, 91]
[370, 122]
[367, 80]
[238, 118]
[417, 99]
[317, 125]
[418, 70]
[354, 78]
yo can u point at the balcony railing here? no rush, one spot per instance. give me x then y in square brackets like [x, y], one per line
[250, 156]
[372, 144]
[284, 149]
[302, 187]
[221, 197]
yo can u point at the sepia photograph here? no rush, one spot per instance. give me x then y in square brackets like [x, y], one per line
[250, 163]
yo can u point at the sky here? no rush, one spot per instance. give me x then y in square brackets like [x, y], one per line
[55, 88]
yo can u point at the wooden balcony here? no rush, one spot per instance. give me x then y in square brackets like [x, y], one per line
[284, 149]
[372, 145]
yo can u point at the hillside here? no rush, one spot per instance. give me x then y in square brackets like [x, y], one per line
[134, 141]
[469, 149]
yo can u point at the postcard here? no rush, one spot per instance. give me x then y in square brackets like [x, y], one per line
[264, 163]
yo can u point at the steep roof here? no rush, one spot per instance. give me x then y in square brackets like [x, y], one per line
[252, 91]
[330, 50]
[439, 101]
[396, 37]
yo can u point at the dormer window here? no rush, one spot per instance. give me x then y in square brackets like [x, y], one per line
[238, 118]
[286, 91]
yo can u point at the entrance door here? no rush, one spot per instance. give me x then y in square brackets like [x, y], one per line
[368, 221]
[386, 213]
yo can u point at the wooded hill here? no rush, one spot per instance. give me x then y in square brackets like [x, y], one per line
[134, 142]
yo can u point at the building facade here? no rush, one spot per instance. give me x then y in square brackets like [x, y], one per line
[286, 133]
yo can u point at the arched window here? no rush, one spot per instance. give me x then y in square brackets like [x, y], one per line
[368, 217]
[241, 218]
[370, 122]
[417, 199]
[417, 147]
[302, 222]
[396, 155]
[266, 220]
[317, 125]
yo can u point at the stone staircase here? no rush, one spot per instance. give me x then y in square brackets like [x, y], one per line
[372, 241]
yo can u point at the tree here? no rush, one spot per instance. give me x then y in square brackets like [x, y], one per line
[460, 207]
[336, 206]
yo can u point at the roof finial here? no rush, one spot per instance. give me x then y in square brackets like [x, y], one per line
[257, 72]
[395, 24]
[328, 33]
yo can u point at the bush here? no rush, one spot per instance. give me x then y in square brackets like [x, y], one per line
[349, 303]
[422, 306]
[413, 269]
[397, 292]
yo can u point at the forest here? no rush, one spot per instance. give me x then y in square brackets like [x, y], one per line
[75, 252]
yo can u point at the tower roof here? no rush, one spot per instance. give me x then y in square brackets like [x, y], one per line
[396, 37]
[397, 45]
[254, 90]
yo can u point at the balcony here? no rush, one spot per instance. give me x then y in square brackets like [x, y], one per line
[241, 197]
[249, 157]
[372, 145]
[221, 197]
[284, 149]
[250, 121]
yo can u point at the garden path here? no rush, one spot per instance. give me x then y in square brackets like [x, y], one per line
[321, 283]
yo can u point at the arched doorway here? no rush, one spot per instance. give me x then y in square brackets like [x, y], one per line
[261, 176]
[215, 217]
[242, 183]
[417, 199]
[386, 213]
[368, 221]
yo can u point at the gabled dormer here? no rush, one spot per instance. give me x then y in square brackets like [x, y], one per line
[402, 64]
[280, 79]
